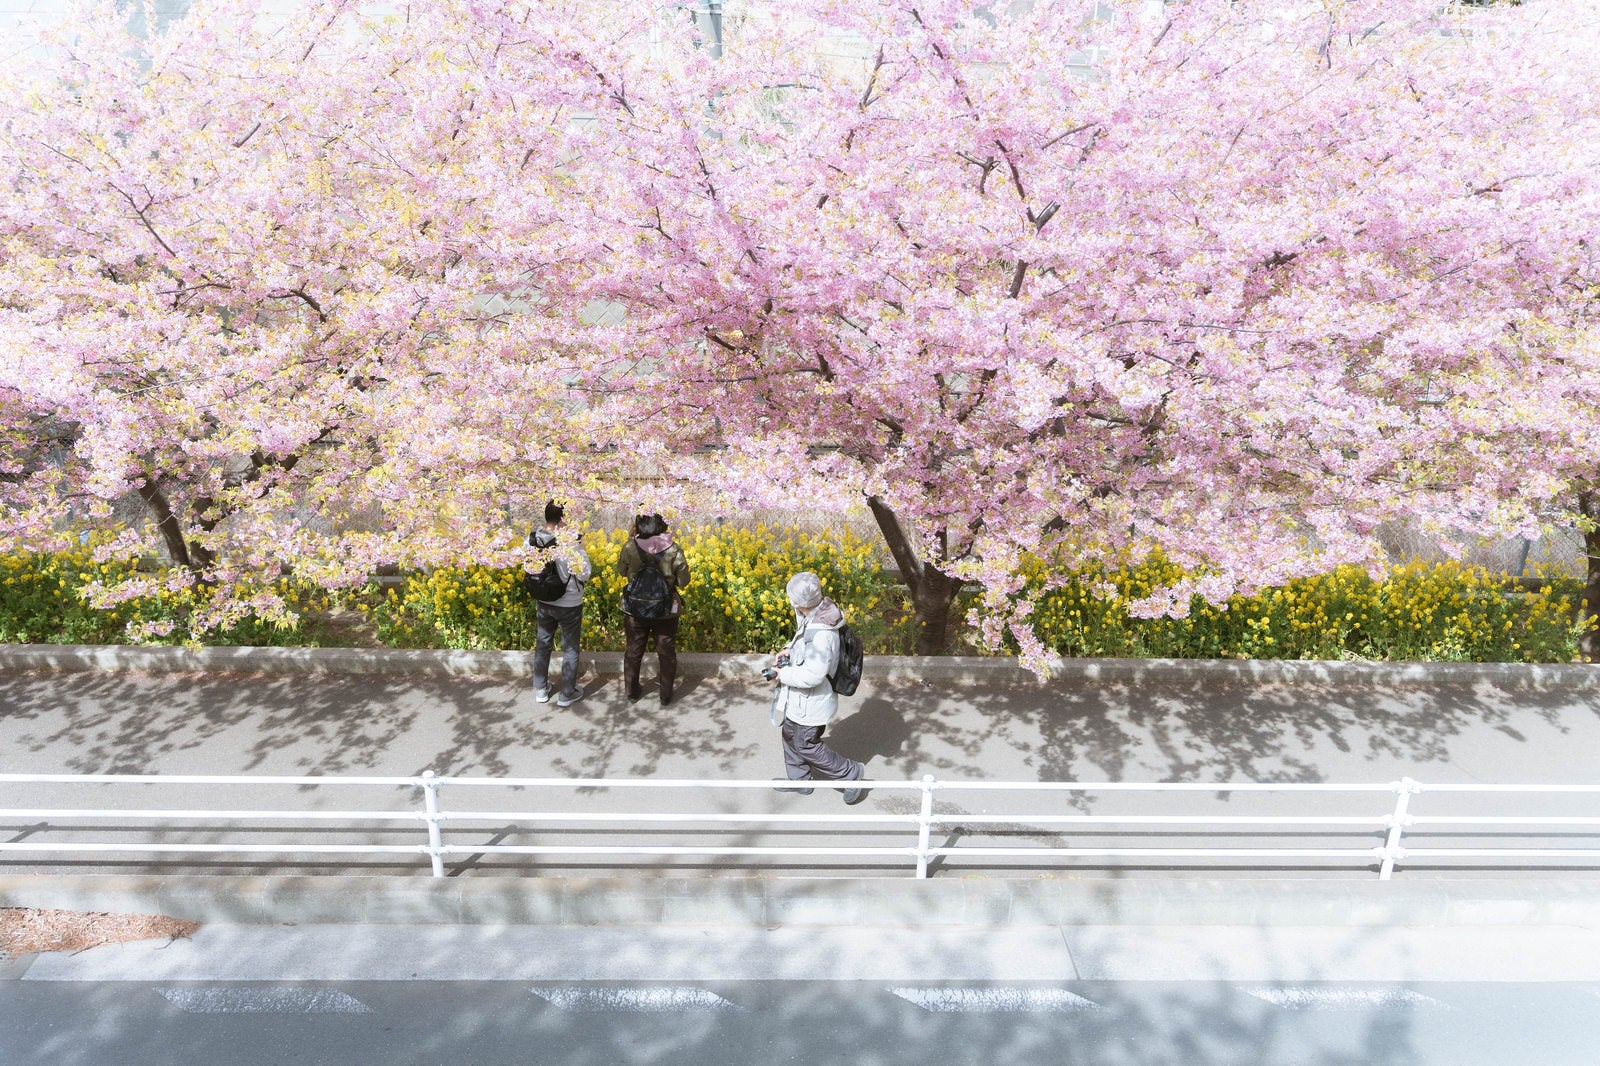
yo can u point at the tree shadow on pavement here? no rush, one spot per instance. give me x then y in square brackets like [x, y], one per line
[1156, 729]
[1189, 730]
[1068, 1023]
[105, 722]
[595, 737]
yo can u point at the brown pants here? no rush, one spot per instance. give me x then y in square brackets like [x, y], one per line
[638, 631]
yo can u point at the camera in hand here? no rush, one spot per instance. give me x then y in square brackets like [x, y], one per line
[771, 672]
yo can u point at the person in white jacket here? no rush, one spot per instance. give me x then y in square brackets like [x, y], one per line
[565, 613]
[805, 702]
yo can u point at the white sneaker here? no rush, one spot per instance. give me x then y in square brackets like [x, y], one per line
[542, 695]
[568, 701]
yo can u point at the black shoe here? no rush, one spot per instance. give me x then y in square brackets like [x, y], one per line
[798, 791]
[633, 695]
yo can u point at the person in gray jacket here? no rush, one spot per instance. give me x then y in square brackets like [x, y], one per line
[565, 613]
[805, 702]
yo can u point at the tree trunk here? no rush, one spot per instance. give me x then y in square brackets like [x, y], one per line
[933, 592]
[193, 556]
[1589, 612]
[167, 522]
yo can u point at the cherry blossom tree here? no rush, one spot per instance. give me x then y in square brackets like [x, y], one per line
[1235, 281]
[1071, 280]
[236, 282]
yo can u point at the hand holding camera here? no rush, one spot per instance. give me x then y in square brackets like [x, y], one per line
[771, 672]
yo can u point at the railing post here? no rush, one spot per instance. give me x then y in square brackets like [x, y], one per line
[924, 825]
[1390, 851]
[430, 804]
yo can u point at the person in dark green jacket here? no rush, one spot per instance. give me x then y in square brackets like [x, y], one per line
[655, 570]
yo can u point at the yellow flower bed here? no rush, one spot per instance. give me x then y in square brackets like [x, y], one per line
[1429, 611]
[65, 597]
[1438, 611]
[471, 607]
[734, 601]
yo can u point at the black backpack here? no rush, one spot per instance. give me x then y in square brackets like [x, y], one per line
[648, 593]
[546, 585]
[852, 657]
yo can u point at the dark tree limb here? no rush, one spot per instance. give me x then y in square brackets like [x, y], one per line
[166, 522]
[933, 592]
[1589, 611]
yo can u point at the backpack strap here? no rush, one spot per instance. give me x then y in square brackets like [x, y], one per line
[805, 634]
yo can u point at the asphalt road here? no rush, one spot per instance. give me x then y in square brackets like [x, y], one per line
[1186, 728]
[516, 1024]
[357, 995]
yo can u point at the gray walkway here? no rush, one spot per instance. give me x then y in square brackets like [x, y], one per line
[401, 713]
[383, 713]
[844, 953]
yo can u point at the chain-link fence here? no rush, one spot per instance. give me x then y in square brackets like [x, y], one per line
[1559, 553]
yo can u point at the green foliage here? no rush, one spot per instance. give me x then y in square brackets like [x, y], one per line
[46, 599]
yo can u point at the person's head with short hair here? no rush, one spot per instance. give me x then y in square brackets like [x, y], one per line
[804, 590]
[554, 513]
[649, 525]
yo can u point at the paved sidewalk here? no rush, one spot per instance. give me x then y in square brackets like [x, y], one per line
[263, 711]
[1205, 967]
[294, 711]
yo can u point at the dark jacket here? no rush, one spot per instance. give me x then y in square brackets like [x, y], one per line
[673, 564]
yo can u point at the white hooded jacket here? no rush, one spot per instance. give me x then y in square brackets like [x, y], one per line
[805, 695]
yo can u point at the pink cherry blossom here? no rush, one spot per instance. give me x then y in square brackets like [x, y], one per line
[1239, 282]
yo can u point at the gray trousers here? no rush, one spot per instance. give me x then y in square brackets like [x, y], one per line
[805, 755]
[570, 621]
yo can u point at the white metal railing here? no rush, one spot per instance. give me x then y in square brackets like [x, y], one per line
[1391, 822]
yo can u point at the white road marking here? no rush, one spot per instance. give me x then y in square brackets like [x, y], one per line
[1313, 997]
[651, 1000]
[994, 1000]
[263, 1001]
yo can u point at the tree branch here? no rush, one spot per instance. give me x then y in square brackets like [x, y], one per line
[1016, 278]
[894, 535]
[167, 522]
[1016, 176]
[1052, 142]
[139, 212]
[310, 302]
